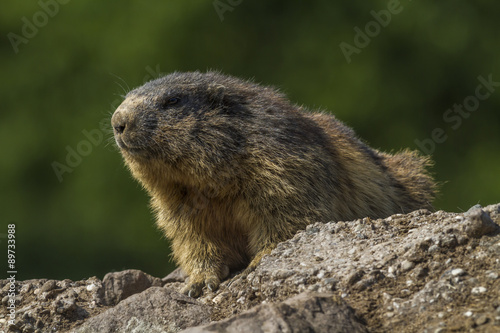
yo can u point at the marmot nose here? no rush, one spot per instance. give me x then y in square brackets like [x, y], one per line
[119, 122]
[125, 118]
[119, 129]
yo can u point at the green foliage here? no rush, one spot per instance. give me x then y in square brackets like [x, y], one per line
[70, 75]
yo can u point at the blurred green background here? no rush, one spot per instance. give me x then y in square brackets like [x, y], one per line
[64, 64]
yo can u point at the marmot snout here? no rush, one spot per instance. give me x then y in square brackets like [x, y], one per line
[233, 168]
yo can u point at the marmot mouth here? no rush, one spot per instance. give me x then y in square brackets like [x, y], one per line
[127, 148]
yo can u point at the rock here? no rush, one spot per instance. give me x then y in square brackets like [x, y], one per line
[393, 259]
[355, 277]
[478, 290]
[120, 285]
[492, 275]
[302, 313]
[48, 286]
[458, 272]
[407, 265]
[52, 306]
[155, 310]
[419, 272]
[479, 223]
[481, 320]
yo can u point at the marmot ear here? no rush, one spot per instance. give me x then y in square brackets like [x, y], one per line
[216, 93]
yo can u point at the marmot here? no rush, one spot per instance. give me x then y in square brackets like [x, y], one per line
[233, 168]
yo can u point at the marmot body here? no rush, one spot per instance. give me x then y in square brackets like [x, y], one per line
[233, 168]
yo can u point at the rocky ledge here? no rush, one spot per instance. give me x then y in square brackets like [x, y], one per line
[419, 272]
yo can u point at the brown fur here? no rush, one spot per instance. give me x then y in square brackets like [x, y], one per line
[233, 169]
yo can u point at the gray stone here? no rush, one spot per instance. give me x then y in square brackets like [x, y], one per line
[120, 285]
[407, 265]
[479, 223]
[154, 310]
[302, 313]
[48, 286]
[458, 272]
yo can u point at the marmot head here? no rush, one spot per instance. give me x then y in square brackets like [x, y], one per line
[190, 121]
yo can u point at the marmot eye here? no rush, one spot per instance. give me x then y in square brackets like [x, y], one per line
[172, 100]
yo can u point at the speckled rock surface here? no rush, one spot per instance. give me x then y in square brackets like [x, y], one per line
[419, 272]
[156, 310]
[50, 306]
[306, 312]
[415, 272]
